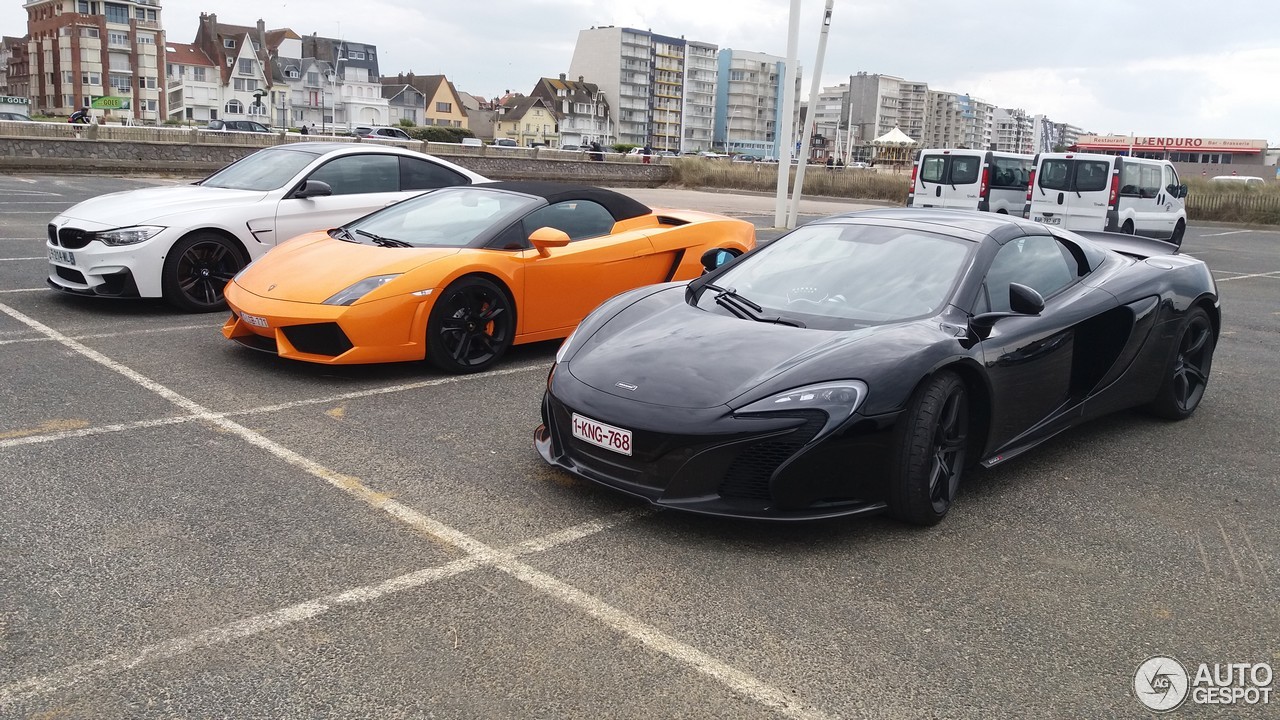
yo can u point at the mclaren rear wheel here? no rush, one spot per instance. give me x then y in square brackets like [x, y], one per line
[197, 270]
[472, 324]
[1188, 374]
[930, 447]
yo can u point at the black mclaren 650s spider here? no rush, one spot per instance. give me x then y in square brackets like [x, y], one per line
[862, 362]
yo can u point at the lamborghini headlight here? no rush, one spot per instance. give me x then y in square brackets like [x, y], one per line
[360, 289]
[839, 399]
[128, 235]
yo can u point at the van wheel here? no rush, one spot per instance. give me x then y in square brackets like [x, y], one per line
[1002, 212]
[1127, 229]
[1178, 232]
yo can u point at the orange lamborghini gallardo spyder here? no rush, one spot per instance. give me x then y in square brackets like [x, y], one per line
[458, 275]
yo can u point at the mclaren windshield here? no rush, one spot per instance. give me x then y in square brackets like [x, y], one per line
[449, 217]
[838, 276]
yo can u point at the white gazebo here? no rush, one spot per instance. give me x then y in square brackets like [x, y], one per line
[894, 147]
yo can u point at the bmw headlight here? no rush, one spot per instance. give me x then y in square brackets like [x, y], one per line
[839, 399]
[360, 289]
[127, 236]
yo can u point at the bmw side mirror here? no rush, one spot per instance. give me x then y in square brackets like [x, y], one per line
[715, 257]
[548, 237]
[313, 188]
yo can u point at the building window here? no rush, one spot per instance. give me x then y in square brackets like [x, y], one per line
[88, 32]
[234, 107]
[144, 15]
[229, 43]
[118, 39]
[68, 77]
[121, 82]
[444, 107]
[87, 101]
[313, 79]
[90, 78]
[355, 55]
[153, 105]
[248, 67]
[291, 72]
[257, 109]
[146, 39]
[146, 83]
[116, 13]
[244, 84]
[68, 101]
[197, 74]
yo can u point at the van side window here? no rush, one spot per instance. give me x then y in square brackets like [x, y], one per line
[964, 170]
[1170, 179]
[1010, 173]
[1150, 180]
[1092, 175]
[1130, 179]
[931, 168]
[1055, 174]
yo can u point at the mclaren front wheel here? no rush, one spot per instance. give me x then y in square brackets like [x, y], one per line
[930, 447]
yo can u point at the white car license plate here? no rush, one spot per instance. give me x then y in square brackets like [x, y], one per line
[253, 320]
[1049, 220]
[62, 256]
[606, 436]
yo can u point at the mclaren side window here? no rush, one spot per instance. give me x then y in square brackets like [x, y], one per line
[579, 219]
[1040, 262]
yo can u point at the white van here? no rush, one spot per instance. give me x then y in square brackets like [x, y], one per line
[1239, 179]
[1084, 191]
[970, 180]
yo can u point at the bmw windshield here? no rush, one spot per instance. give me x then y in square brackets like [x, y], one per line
[263, 170]
[838, 276]
[449, 217]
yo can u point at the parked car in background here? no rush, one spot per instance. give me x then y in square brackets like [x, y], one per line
[505, 142]
[185, 242]
[13, 116]
[472, 142]
[237, 126]
[378, 131]
[746, 158]
[970, 180]
[1241, 179]
[1086, 191]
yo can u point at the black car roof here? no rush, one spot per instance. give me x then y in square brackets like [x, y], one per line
[619, 206]
[1000, 228]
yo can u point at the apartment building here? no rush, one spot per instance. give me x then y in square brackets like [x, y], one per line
[701, 75]
[956, 120]
[1050, 136]
[404, 101]
[873, 105]
[749, 102]
[193, 84]
[528, 121]
[1013, 130]
[108, 56]
[913, 108]
[342, 77]
[580, 108]
[646, 77]
[442, 103]
[14, 78]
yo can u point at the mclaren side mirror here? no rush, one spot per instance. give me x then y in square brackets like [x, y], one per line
[715, 257]
[548, 237]
[312, 188]
[1023, 301]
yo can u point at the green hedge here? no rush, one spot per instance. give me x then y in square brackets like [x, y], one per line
[439, 133]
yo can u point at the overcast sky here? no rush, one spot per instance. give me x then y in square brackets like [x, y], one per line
[1171, 68]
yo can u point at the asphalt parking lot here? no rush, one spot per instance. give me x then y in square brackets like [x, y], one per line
[194, 529]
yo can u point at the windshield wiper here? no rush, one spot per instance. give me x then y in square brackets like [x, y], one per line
[343, 234]
[730, 300]
[383, 241]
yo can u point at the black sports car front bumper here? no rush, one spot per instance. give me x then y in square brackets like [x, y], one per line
[711, 461]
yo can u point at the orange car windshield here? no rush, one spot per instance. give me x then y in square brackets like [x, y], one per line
[449, 217]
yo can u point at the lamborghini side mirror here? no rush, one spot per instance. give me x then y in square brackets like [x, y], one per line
[548, 237]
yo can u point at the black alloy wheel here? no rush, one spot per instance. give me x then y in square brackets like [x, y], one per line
[197, 270]
[472, 325]
[932, 441]
[1188, 373]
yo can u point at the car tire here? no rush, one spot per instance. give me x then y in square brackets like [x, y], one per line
[930, 445]
[197, 270]
[472, 325]
[1187, 376]
[1127, 228]
[1179, 231]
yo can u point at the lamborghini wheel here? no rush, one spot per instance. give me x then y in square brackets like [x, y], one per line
[197, 270]
[930, 446]
[472, 324]
[1188, 374]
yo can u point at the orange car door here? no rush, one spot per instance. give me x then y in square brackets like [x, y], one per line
[564, 284]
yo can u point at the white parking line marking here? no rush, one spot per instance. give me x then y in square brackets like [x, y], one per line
[33, 202]
[1229, 232]
[736, 680]
[26, 212]
[98, 336]
[18, 290]
[283, 617]
[38, 257]
[1273, 273]
[31, 239]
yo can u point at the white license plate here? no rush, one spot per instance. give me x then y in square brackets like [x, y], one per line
[606, 436]
[64, 257]
[1048, 220]
[253, 320]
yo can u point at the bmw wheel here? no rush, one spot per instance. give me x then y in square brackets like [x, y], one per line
[197, 270]
[1188, 374]
[930, 448]
[472, 324]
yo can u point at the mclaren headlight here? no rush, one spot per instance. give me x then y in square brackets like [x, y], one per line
[127, 236]
[838, 399]
[564, 347]
[360, 289]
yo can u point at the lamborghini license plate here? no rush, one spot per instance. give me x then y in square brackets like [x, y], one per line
[605, 436]
[253, 320]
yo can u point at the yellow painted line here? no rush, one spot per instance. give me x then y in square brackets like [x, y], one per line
[45, 427]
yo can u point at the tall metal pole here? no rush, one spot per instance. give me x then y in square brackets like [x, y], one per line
[782, 138]
[810, 123]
